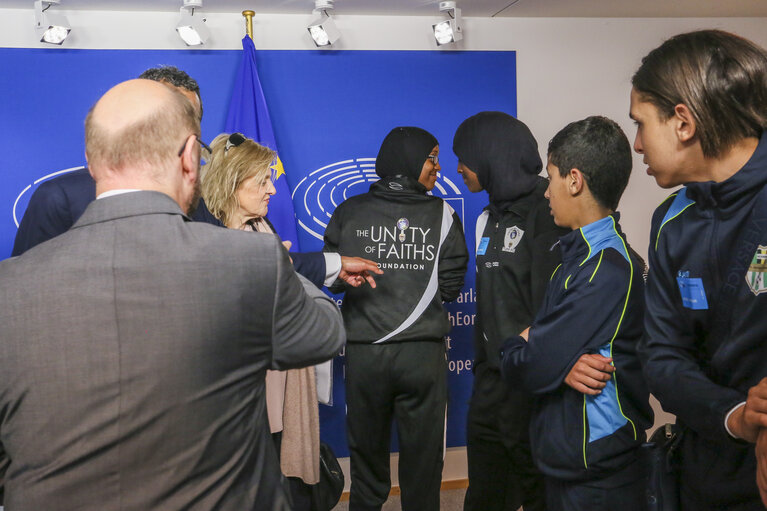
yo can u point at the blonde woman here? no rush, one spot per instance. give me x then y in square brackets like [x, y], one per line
[237, 187]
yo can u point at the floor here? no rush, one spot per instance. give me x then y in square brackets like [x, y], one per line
[450, 500]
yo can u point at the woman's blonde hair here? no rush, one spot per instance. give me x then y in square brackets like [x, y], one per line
[226, 169]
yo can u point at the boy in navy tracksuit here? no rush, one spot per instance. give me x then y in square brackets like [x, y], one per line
[579, 356]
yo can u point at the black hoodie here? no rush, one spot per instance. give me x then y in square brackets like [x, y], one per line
[514, 256]
[514, 234]
[417, 240]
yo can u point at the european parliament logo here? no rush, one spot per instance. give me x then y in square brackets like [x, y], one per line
[317, 195]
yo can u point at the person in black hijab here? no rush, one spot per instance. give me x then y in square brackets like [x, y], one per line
[395, 352]
[516, 254]
[402, 154]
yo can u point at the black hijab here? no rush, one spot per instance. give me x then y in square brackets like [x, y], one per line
[502, 152]
[404, 151]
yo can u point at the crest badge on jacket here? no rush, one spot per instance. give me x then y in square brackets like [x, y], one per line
[756, 277]
[512, 238]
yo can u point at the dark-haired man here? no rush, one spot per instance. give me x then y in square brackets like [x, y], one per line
[579, 356]
[700, 104]
[57, 203]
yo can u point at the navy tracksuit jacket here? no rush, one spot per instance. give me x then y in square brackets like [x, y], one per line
[694, 376]
[593, 304]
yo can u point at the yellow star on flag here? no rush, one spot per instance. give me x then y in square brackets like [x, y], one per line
[277, 168]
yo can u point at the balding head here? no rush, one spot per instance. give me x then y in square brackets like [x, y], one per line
[132, 139]
[137, 127]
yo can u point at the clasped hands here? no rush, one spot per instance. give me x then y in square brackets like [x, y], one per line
[589, 374]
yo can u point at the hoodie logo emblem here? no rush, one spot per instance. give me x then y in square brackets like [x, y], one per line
[402, 225]
[756, 277]
[512, 238]
[396, 186]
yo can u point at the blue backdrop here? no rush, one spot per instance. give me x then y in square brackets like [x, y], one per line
[330, 111]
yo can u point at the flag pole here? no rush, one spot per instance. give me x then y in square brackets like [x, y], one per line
[249, 22]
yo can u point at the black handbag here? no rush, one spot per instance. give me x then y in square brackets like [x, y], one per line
[327, 493]
[662, 464]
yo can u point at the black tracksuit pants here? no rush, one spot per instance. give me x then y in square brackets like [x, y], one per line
[406, 381]
[502, 475]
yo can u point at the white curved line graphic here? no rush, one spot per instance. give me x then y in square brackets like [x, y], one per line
[310, 231]
[333, 165]
[293, 195]
[366, 159]
[339, 176]
[455, 188]
[345, 180]
[306, 196]
[319, 192]
[72, 169]
[440, 187]
[16, 202]
[39, 180]
[298, 186]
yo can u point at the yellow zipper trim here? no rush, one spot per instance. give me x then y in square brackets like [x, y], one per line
[601, 253]
[620, 321]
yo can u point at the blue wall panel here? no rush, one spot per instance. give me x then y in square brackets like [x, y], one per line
[330, 110]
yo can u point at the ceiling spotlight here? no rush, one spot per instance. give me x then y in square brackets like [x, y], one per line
[191, 28]
[323, 29]
[52, 28]
[450, 30]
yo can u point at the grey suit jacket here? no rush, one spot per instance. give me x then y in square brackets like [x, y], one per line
[133, 350]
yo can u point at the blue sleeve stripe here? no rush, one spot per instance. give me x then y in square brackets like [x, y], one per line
[604, 411]
[585, 463]
[681, 203]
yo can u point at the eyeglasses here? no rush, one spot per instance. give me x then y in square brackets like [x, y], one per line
[434, 158]
[234, 140]
[203, 144]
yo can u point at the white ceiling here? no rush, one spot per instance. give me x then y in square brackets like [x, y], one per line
[475, 8]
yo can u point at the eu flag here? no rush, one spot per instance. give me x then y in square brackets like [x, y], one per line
[249, 115]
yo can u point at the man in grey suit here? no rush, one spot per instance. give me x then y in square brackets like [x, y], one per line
[133, 347]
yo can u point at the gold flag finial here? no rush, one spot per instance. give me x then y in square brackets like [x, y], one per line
[249, 22]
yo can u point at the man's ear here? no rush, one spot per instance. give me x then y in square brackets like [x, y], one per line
[190, 160]
[575, 181]
[684, 123]
[88, 166]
